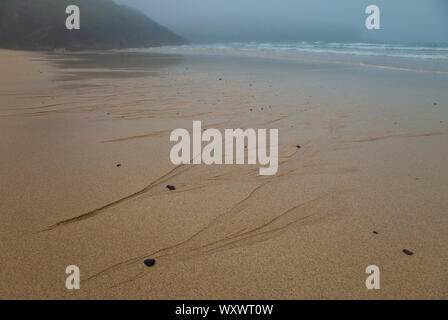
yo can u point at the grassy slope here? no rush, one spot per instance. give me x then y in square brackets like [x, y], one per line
[40, 25]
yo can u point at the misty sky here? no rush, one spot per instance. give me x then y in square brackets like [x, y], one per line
[415, 21]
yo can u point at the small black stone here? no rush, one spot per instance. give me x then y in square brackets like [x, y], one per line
[149, 262]
[375, 232]
[435, 103]
[220, 79]
[409, 253]
[298, 147]
[171, 188]
[118, 165]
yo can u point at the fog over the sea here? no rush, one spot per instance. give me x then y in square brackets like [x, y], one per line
[402, 21]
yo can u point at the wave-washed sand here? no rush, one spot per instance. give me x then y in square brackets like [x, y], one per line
[373, 157]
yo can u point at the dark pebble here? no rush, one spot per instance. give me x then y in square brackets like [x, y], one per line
[171, 188]
[298, 147]
[435, 103]
[219, 79]
[119, 165]
[375, 232]
[409, 253]
[149, 262]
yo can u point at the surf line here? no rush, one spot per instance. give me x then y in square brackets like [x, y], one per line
[233, 146]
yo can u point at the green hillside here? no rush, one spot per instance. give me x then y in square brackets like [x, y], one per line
[40, 25]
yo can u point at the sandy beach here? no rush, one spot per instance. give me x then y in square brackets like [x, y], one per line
[84, 144]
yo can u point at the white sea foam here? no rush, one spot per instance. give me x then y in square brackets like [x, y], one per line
[278, 49]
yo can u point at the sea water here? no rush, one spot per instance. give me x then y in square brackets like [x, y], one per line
[412, 57]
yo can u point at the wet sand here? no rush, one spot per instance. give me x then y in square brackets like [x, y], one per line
[374, 145]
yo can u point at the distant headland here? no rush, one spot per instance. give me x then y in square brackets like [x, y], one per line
[40, 25]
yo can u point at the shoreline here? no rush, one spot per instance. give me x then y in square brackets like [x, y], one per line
[372, 158]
